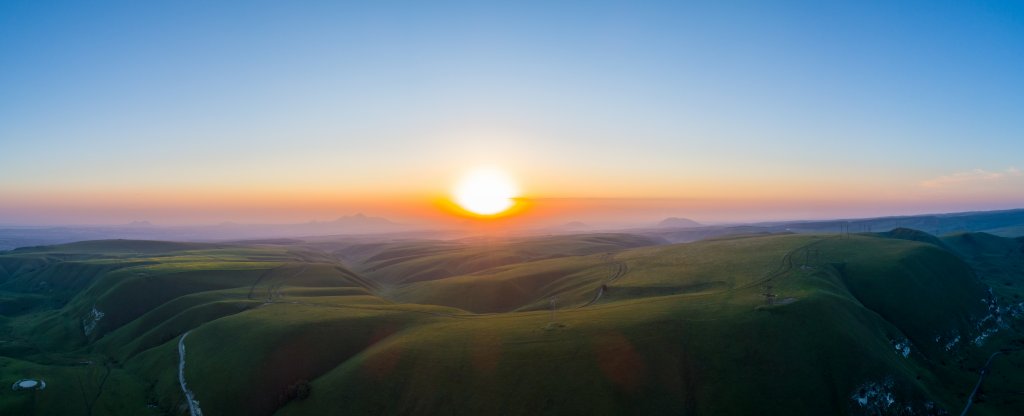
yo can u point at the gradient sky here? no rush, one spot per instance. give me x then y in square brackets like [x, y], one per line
[181, 112]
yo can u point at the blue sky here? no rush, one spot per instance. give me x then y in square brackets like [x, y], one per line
[766, 100]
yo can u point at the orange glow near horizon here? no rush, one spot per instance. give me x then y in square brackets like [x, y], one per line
[551, 199]
[448, 206]
[488, 197]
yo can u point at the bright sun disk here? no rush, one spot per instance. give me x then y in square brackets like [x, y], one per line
[486, 192]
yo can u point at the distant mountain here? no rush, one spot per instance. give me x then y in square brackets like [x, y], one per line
[363, 221]
[675, 222]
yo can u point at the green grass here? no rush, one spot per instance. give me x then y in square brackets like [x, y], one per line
[415, 261]
[464, 327]
[77, 389]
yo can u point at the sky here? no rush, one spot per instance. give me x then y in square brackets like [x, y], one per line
[202, 112]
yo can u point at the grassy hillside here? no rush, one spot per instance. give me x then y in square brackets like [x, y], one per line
[414, 261]
[768, 324]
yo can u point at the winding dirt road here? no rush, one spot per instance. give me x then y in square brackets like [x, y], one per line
[981, 377]
[193, 404]
[619, 269]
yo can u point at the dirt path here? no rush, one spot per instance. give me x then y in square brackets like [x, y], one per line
[252, 289]
[193, 404]
[91, 403]
[981, 377]
[600, 291]
[619, 269]
[259, 279]
[784, 267]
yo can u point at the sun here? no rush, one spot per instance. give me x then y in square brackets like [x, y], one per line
[486, 191]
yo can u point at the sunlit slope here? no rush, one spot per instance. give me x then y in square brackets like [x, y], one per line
[718, 350]
[413, 261]
[876, 271]
[687, 329]
[667, 329]
[696, 268]
[507, 288]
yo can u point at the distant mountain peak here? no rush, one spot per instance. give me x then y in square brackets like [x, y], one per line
[677, 222]
[362, 218]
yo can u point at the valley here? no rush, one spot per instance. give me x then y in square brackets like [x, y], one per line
[868, 323]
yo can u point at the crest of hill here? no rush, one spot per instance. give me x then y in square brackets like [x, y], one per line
[974, 244]
[410, 261]
[913, 235]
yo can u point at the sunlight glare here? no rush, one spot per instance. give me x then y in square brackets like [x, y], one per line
[486, 192]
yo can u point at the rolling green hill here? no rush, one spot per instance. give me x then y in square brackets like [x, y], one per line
[886, 323]
[413, 261]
